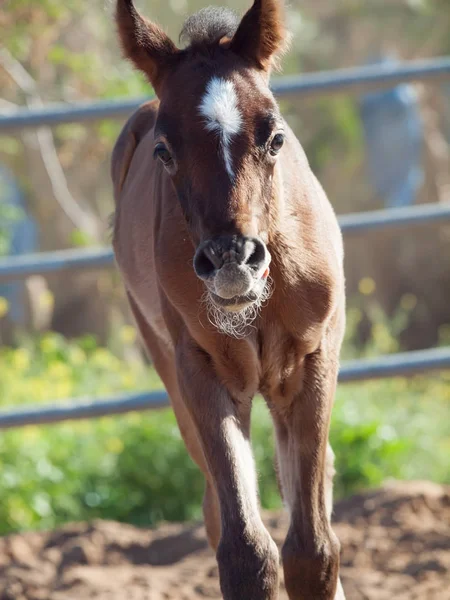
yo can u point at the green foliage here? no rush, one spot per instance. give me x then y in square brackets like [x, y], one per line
[384, 332]
[80, 239]
[52, 368]
[135, 468]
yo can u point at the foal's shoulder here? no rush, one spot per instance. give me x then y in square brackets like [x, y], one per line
[135, 129]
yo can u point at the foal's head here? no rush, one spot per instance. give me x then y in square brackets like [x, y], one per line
[218, 135]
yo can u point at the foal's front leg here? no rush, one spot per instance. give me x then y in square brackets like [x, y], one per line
[311, 551]
[247, 556]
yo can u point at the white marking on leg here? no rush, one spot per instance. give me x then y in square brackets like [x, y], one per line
[245, 470]
[285, 459]
[219, 106]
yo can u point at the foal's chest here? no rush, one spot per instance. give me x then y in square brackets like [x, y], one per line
[281, 364]
[271, 365]
[271, 359]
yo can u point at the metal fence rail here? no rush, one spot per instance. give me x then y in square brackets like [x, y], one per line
[338, 81]
[394, 218]
[405, 364]
[43, 263]
[19, 267]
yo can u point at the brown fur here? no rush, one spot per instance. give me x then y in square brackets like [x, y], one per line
[266, 20]
[144, 43]
[290, 353]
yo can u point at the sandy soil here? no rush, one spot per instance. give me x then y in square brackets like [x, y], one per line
[395, 545]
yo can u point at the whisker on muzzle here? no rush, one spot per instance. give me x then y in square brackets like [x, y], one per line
[236, 323]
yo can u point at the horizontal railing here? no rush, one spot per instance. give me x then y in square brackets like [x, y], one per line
[44, 263]
[338, 81]
[395, 365]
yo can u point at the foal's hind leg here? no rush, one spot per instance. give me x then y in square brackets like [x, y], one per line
[311, 550]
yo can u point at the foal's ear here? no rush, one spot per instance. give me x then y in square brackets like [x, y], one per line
[262, 35]
[144, 43]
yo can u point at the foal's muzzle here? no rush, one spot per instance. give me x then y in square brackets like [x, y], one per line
[234, 268]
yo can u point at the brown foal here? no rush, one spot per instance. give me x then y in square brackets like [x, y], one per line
[232, 260]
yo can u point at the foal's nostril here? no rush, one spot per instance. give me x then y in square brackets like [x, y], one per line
[206, 262]
[255, 253]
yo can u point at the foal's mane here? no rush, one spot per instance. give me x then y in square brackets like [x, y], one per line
[208, 26]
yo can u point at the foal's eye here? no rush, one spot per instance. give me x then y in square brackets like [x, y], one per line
[276, 144]
[162, 154]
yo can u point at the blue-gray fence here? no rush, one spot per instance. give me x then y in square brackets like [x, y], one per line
[401, 364]
[344, 80]
[44, 263]
[311, 84]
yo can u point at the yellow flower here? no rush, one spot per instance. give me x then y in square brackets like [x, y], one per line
[408, 302]
[46, 300]
[367, 286]
[59, 370]
[104, 358]
[4, 307]
[127, 335]
[84, 427]
[39, 388]
[19, 516]
[401, 385]
[444, 333]
[49, 343]
[114, 445]
[62, 390]
[77, 356]
[21, 359]
[128, 381]
[31, 432]
[134, 418]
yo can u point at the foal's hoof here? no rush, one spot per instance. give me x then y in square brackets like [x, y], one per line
[312, 574]
[249, 569]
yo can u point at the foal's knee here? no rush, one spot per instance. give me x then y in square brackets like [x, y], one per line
[311, 570]
[248, 566]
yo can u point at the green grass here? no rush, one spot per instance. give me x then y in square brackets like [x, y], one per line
[134, 468]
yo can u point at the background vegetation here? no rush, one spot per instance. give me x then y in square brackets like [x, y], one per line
[134, 468]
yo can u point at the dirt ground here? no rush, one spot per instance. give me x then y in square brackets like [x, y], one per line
[395, 545]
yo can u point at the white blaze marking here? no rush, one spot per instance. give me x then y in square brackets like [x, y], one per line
[220, 109]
